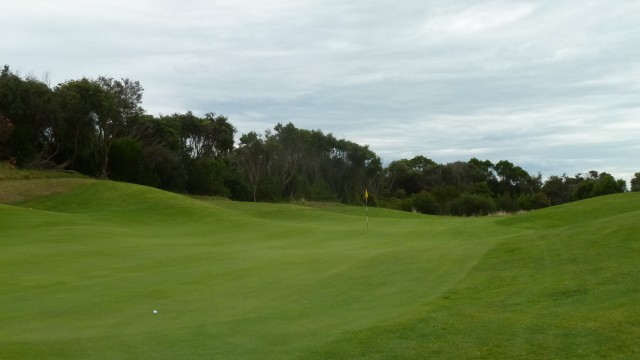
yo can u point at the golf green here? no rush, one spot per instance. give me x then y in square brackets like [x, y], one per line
[84, 270]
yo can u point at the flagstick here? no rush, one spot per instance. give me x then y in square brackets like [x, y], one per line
[366, 205]
[366, 210]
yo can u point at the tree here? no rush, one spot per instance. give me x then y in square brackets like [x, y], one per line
[483, 170]
[208, 137]
[125, 160]
[606, 184]
[411, 176]
[251, 158]
[512, 178]
[206, 177]
[222, 136]
[6, 128]
[78, 104]
[597, 184]
[25, 104]
[286, 151]
[120, 106]
[635, 182]
[584, 187]
[559, 189]
[163, 169]
[352, 165]
[317, 150]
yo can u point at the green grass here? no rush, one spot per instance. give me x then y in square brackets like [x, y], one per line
[82, 271]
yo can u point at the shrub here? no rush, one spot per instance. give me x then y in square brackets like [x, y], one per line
[531, 202]
[268, 190]
[425, 203]
[472, 205]
[206, 177]
[506, 203]
[125, 160]
[162, 168]
[320, 191]
[238, 188]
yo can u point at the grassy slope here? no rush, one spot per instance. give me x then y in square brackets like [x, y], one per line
[82, 271]
[14, 188]
[569, 287]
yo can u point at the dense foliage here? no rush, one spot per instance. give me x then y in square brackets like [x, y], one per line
[97, 127]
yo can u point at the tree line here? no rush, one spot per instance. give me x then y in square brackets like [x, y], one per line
[98, 127]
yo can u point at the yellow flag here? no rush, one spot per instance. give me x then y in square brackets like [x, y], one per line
[366, 195]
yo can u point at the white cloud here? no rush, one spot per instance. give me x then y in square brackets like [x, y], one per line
[485, 17]
[552, 84]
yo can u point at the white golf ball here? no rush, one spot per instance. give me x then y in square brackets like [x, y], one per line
[155, 311]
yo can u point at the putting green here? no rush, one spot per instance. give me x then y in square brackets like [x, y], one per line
[82, 272]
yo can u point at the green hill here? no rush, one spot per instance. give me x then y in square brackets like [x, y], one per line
[82, 271]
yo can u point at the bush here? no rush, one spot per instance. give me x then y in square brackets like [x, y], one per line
[472, 205]
[238, 188]
[268, 190]
[125, 160]
[584, 189]
[425, 203]
[606, 185]
[394, 203]
[481, 189]
[206, 177]
[320, 191]
[506, 203]
[162, 169]
[531, 202]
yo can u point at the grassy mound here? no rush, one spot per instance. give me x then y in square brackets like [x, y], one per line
[84, 269]
[14, 188]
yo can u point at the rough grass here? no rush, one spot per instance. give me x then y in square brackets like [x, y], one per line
[82, 271]
[9, 172]
[15, 191]
[14, 188]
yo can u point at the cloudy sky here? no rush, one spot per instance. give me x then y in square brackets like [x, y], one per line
[552, 86]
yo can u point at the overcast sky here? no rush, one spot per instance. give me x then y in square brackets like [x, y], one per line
[552, 86]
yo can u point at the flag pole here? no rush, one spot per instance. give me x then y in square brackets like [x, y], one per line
[366, 205]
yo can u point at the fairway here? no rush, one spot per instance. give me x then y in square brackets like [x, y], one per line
[83, 271]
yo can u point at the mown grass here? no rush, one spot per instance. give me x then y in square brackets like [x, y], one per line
[568, 293]
[83, 270]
